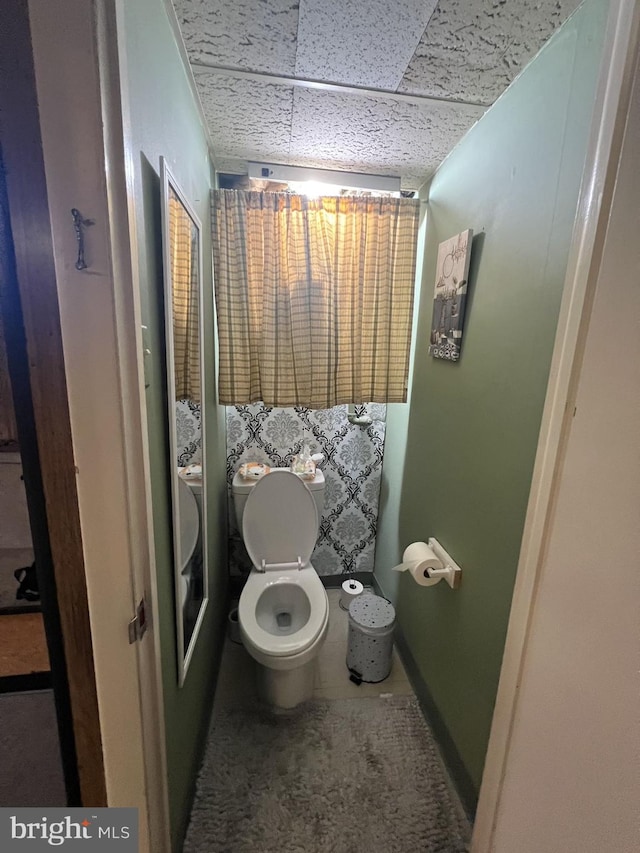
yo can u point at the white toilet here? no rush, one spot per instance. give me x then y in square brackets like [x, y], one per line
[190, 513]
[283, 611]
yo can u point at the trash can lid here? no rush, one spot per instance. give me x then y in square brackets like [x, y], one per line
[372, 611]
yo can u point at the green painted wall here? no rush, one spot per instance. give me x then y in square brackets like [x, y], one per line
[165, 121]
[458, 463]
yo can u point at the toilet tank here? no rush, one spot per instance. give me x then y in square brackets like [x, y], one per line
[241, 489]
[195, 485]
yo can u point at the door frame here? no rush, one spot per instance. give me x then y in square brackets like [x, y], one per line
[129, 340]
[594, 204]
[85, 359]
[36, 357]
[26, 432]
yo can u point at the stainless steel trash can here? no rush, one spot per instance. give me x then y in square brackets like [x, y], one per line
[370, 647]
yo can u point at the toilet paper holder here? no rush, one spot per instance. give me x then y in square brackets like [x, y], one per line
[450, 571]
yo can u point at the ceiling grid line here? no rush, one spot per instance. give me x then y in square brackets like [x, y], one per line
[368, 86]
[329, 85]
[293, 94]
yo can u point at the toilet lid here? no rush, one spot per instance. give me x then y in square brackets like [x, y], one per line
[280, 521]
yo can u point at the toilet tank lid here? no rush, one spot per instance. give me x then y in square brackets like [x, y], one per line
[194, 483]
[242, 486]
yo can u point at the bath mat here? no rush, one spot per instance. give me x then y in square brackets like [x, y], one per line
[338, 776]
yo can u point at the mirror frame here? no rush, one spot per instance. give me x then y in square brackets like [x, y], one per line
[184, 655]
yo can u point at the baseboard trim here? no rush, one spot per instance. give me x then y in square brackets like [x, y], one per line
[18, 609]
[204, 732]
[459, 774]
[328, 581]
[22, 683]
[336, 581]
[455, 767]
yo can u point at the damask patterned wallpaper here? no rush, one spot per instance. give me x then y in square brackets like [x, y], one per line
[188, 433]
[352, 470]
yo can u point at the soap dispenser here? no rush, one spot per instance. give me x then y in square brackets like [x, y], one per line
[303, 465]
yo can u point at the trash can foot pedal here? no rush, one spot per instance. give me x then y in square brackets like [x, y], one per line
[355, 677]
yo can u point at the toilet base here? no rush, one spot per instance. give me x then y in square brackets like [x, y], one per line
[286, 688]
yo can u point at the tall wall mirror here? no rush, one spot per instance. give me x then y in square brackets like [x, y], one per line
[182, 244]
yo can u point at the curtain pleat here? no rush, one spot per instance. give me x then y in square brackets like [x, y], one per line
[314, 297]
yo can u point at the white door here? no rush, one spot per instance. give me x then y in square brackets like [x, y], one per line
[561, 771]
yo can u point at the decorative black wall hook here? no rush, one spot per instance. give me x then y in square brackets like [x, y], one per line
[78, 223]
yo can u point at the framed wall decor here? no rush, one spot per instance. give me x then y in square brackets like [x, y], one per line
[450, 296]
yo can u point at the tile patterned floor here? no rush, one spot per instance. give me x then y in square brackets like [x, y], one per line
[23, 645]
[236, 681]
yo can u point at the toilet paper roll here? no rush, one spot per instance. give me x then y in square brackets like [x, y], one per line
[417, 559]
[351, 589]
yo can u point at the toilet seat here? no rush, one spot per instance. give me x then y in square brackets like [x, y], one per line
[274, 645]
[280, 526]
[280, 522]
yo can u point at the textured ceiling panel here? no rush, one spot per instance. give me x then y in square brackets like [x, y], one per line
[247, 34]
[470, 51]
[473, 49]
[364, 134]
[232, 165]
[247, 119]
[368, 43]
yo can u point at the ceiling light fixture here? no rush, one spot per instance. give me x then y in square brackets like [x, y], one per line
[350, 180]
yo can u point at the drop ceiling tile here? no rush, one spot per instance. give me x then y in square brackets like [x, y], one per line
[249, 34]
[364, 134]
[473, 49]
[368, 43]
[247, 119]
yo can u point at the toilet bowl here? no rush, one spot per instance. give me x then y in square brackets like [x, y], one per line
[283, 611]
[189, 515]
